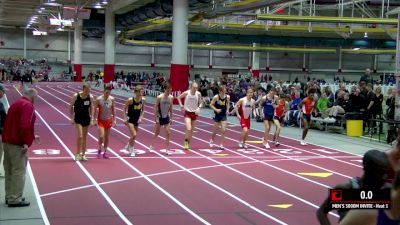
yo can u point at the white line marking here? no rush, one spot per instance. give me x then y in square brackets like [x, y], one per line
[34, 185]
[37, 196]
[108, 199]
[132, 167]
[194, 174]
[177, 114]
[246, 175]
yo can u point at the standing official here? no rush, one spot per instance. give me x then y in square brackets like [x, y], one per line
[18, 136]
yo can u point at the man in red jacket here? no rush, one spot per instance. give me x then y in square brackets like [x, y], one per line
[18, 135]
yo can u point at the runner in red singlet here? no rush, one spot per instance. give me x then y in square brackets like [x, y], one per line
[307, 106]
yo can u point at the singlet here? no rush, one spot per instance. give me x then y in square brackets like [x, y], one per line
[308, 106]
[135, 109]
[280, 109]
[104, 108]
[221, 104]
[81, 107]
[164, 106]
[191, 101]
[268, 107]
[246, 108]
[383, 219]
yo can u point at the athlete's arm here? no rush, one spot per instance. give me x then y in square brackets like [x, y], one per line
[94, 109]
[260, 105]
[171, 108]
[253, 109]
[91, 109]
[228, 103]
[200, 100]
[300, 105]
[142, 110]
[113, 111]
[71, 107]
[125, 109]
[238, 104]
[156, 108]
[183, 95]
[212, 104]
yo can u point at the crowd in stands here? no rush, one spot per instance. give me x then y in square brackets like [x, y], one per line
[362, 98]
[19, 69]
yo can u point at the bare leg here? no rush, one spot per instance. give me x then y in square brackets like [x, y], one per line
[84, 137]
[79, 140]
[266, 131]
[223, 129]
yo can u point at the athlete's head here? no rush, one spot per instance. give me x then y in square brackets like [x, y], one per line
[107, 90]
[311, 92]
[376, 167]
[86, 88]
[31, 94]
[167, 89]
[250, 93]
[272, 91]
[222, 89]
[194, 87]
[139, 91]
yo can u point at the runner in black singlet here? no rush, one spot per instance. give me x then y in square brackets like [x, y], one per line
[80, 111]
[220, 104]
[133, 115]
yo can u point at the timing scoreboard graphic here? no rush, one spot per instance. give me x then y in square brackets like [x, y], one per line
[360, 199]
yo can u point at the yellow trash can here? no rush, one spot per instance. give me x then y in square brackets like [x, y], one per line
[354, 128]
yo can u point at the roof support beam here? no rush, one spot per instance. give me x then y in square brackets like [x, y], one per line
[327, 19]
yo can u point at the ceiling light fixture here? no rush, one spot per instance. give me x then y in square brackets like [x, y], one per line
[104, 2]
[42, 8]
[208, 44]
[356, 48]
[249, 22]
[97, 6]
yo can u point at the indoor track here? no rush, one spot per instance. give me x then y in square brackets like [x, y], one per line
[282, 185]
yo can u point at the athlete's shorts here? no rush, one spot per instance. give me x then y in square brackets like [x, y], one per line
[219, 118]
[307, 117]
[106, 124]
[268, 117]
[164, 121]
[245, 122]
[134, 122]
[280, 119]
[191, 115]
[84, 122]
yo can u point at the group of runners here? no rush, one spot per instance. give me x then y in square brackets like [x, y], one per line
[86, 111]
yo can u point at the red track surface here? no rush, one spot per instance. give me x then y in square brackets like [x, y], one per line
[233, 189]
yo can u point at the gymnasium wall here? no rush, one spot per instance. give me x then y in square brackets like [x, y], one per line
[284, 66]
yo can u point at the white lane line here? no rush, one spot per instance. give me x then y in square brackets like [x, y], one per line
[262, 149]
[161, 173]
[246, 175]
[294, 139]
[196, 175]
[108, 199]
[132, 167]
[304, 150]
[34, 185]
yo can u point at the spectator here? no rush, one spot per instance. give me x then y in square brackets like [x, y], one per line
[378, 107]
[2, 120]
[369, 107]
[356, 99]
[18, 136]
[293, 114]
[376, 166]
[367, 77]
[323, 103]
